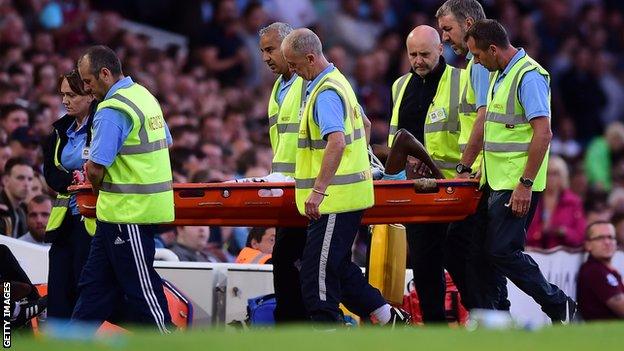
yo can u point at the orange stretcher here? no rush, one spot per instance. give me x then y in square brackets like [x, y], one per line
[273, 204]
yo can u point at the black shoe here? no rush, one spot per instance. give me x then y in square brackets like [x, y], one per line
[30, 310]
[567, 313]
[399, 317]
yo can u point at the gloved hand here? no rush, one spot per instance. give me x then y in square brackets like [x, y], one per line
[79, 177]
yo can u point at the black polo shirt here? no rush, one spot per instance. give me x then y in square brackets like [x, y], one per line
[597, 283]
[419, 94]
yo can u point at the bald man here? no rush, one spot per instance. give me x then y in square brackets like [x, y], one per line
[426, 102]
[333, 187]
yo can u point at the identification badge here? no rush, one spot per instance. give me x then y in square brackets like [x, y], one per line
[85, 153]
[437, 115]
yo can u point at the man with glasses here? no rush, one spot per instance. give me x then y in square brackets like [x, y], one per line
[600, 291]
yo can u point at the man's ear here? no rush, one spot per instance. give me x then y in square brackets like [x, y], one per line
[5, 180]
[311, 58]
[494, 49]
[105, 74]
[469, 22]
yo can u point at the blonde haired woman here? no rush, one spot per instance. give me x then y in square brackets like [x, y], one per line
[559, 219]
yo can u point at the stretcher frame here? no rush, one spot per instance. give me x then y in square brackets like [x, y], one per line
[273, 204]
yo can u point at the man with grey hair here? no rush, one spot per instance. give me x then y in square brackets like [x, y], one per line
[284, 104]
[455, 17]
[333, 186]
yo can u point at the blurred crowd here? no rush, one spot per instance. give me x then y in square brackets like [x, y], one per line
[214, 93]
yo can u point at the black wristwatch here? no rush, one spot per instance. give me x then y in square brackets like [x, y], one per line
[461, 168]
[526, 182]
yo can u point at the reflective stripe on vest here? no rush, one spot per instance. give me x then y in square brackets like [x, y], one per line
[145, 146]
[57, 146]
[60, 207]
[351, 187]
[58, 212]
[284, 125]
[260, 258]
[508, 133]
[322, 144]
[468, 113]
[398, 89]
[137, 187]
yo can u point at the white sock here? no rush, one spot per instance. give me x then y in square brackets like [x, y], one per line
[382, 314]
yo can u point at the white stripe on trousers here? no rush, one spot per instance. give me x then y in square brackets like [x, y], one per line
[329, 231]
[145, 282]
[144, 279]
[150, 290]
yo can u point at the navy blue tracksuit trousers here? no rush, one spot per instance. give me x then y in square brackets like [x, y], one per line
[328, 276]
[503, 244]
[120, 269]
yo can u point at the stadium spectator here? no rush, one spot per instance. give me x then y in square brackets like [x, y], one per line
[602, 152]
[17, 181]
[25, 144]
[12, 117]
[600, 291]
[38, 187]
[559, 218]
[618, 223]
[5, 154]
[38, 213]
[190, 244]
[224, 53]
[574, 85]
[259, 246]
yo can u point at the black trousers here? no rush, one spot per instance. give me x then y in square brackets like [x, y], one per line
[286, 258]
[328, 276]
[426, 243]
[468, 265]
[68, 255]
[503, 245]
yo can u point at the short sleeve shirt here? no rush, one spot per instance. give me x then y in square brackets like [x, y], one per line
[533, 91]
[111, 127]
[597, 283]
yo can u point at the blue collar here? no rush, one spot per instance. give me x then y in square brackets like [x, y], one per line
[72, 128]
[318, 78]
[122, 83]
[286, 83]
[520, 54]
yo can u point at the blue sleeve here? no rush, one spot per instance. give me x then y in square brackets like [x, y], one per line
[534, 95]
[168, 135]
[480, 79]
[110, 130]
[329, 112]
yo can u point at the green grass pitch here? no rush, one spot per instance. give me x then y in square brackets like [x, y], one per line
[586, 337]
